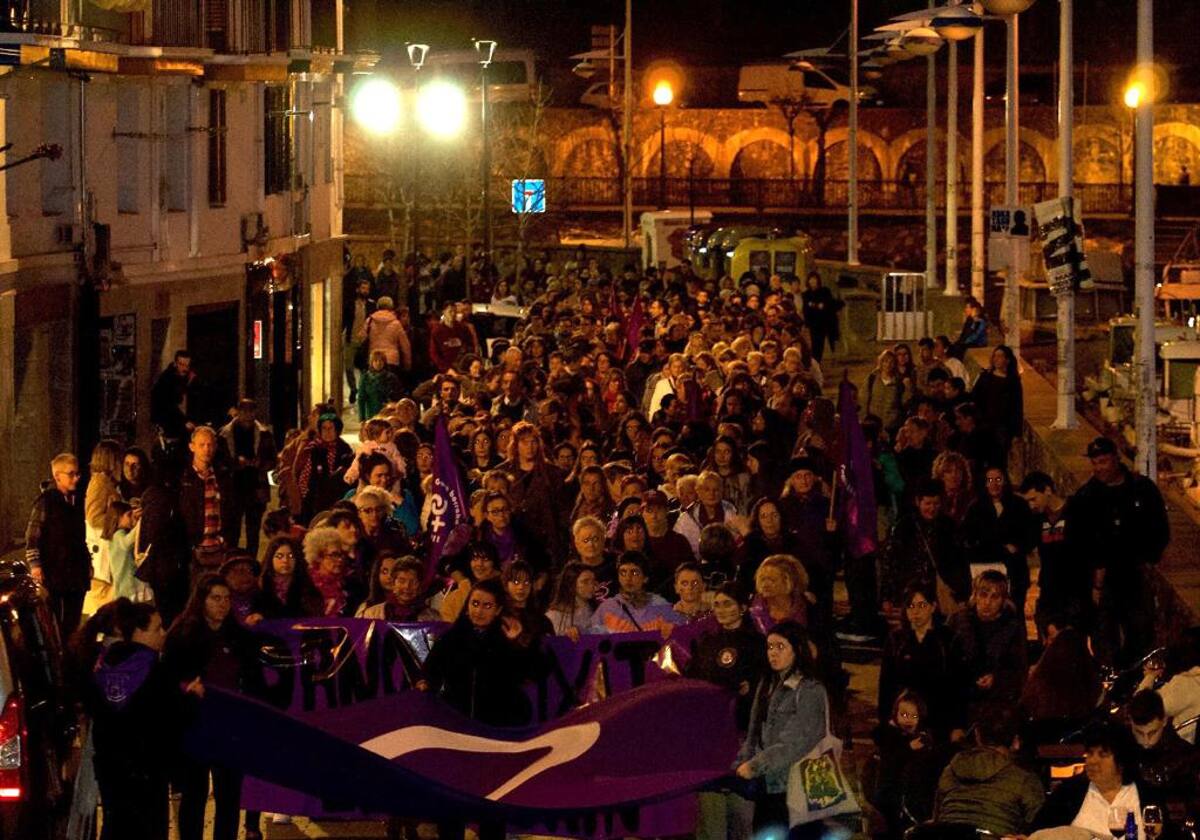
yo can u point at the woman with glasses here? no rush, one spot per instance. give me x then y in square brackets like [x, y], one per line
[478, 667]
[918, 657]
[999, 528]
[326, 556]
[633, 609]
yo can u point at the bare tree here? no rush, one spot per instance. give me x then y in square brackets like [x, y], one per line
[521, 151]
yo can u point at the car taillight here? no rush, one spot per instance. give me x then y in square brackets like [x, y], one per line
[12, 733]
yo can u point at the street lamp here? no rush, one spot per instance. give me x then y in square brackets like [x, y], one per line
[442, 109]
[375, 105]
[486, 51]
[663, 96]
[416, 58]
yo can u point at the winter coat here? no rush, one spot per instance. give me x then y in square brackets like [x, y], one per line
[732, 659]
[375, 388]
[785, 725]
[539, 500]
[1001, 404]
[991, 647]
[55, 542]
[135, 710]
[929, 668]
[985, 788]
[1063, 804]
[920, 549]
[101, 490]
[383, 331]
[481, 673]
[191, 506]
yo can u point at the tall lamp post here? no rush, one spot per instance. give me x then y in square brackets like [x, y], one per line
[1010, 307]
[1143, 239]
[663, 96]
[852, 194]
[416, 58]
[1065, 410]
[486, 51]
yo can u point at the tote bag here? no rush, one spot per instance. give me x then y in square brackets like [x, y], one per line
[817, 787]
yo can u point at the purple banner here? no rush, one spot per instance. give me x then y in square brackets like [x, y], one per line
[857, 478]
[448, 508]
[318, 668]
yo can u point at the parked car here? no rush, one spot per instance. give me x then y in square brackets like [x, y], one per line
[37, 720]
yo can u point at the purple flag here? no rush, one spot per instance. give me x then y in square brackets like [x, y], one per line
[857, 478]
[449, 515]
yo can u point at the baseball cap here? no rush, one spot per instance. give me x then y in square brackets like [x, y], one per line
[1101, 446]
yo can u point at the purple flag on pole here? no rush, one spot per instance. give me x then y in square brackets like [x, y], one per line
[857, 478]
[449, 516]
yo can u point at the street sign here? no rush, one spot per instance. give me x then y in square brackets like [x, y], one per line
[1008, 237]
[528, 195]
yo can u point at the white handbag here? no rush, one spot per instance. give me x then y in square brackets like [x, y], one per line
[817, 787]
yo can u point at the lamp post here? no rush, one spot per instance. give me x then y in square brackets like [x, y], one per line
[1065, 413]
[1143, 238]
[627, 129]
[663, 96]
[486, 51]
[978, 242]
[852, 193]
[416, 58]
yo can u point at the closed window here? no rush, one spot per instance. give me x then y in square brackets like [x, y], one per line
[277, 146]
[217, 132]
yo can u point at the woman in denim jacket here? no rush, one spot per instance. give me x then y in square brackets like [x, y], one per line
[786, 721]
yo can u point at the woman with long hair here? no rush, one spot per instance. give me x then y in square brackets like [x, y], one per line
[789, 717]
[725, 459]
[954, 471]
[572, 603]
[594, 498]
[768, 535]
[207, 643]
[285, 588]
[884, 395]
[136, 473]
[998, 397]
[536, 492]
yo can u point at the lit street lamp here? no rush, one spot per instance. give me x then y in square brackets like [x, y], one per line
[375, 105]
[442, 109]
[663, 96]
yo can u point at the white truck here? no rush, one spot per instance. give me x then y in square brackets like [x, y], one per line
[767, 82]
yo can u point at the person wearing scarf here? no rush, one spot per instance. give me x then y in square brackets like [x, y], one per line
[322, 468]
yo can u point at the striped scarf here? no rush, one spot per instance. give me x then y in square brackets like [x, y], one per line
[212, 510]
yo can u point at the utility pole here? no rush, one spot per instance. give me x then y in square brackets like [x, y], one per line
[852, 193]
[627, 129]
[1065, 415]
[952, 169]
[1143, 238]
[978, 243]
[1010, 308]
[931, 278]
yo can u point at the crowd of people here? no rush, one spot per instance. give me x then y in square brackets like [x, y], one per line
[642, 451]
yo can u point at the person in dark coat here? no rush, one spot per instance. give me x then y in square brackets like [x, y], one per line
[910, 760]
[206, 643]
[55, 543]
[999, 528]
[919, 656]
[1109, 780]
[1123, 530]
[208, 537]
[322, 467]
[923, 546]
[732, 654]
[134, 709]
[169, 395]
[814, 532]
[250, 450]
[285, 589]
[998, 396]
[820, 310]
[162, 538]
[478, 667]
[537, 492]
[989, 647]
[1167, 765]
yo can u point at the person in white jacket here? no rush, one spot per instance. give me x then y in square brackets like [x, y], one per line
[708, 508]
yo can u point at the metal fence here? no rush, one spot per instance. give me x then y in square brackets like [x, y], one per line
[377, 190]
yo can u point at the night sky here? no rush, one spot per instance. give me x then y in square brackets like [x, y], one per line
[729, 32]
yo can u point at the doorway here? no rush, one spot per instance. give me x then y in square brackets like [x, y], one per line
[212, 340]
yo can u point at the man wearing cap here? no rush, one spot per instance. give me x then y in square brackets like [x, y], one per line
[1122, 530]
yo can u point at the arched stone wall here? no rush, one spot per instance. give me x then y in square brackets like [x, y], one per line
[1037, 155]
[761, 159]
[590, 158]
[566, 149]
[759, 137]
[837, 162]
[868, 142]
[1176, 144]
[645, 160]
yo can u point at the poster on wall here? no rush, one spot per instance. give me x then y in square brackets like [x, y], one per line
[118, 357]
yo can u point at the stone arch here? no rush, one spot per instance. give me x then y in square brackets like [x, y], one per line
[1097, 155]
[590, 158]
[837, 162]
[1176, 145]
[872, 151]
[566, 148]
[760, 138]
[1038, 160]
[761, 159]
[681, 141]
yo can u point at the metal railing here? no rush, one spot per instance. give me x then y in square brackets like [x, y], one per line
[377, 190]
